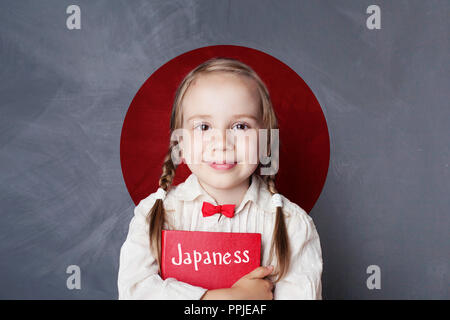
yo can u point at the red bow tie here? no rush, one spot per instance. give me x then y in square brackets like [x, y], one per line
[208, 209]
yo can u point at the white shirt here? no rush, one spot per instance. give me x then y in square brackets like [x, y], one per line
[138, 276]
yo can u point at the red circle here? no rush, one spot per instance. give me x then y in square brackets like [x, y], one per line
[304, 139]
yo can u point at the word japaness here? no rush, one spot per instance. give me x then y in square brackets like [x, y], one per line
[216, 258]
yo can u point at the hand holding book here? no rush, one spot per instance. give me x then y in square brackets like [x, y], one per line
[252, 286]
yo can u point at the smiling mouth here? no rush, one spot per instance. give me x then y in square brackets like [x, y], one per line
[222, 165]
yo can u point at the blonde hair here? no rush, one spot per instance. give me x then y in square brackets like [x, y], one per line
[156, 216]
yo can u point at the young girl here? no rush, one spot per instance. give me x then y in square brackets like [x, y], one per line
[225, 96]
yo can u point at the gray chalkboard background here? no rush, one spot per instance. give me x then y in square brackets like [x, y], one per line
[384, 93]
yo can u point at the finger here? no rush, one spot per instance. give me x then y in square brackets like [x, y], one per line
[260, 272]
[257, 273]
[270, 285]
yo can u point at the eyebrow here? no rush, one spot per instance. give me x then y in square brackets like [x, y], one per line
[236, 116]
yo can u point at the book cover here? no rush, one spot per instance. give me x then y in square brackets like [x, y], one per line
[211, 260]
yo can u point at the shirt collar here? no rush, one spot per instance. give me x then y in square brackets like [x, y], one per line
[191, 190]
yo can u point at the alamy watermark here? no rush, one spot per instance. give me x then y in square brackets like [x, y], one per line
[74, 280]
[374, 20]
[243, 147]
[73, 22]
[374, 280]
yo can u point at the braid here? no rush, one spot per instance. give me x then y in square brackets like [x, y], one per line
[168, 169]
[270, 180]
[280, 243]
[157, 214]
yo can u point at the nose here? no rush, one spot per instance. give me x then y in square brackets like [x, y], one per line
[222, 141]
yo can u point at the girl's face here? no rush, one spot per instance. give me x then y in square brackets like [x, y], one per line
[221, 117]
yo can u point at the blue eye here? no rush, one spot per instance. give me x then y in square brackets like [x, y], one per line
[241, 126]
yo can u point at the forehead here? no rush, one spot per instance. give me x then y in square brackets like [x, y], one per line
[221, 94]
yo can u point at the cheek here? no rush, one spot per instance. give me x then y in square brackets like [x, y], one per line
[194, 147]
[253, 152]
[188, 146]
[247, 149]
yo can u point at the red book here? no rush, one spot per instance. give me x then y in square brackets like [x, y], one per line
[211, 260]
